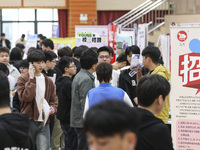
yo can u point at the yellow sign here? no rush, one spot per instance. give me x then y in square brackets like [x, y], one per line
[63, 42]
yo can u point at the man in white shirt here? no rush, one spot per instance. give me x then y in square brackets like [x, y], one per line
[21, 40]
[104, 56]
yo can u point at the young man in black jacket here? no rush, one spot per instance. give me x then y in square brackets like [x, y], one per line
[152, 94]
[14, 128]
[63, 90]
[127, 81]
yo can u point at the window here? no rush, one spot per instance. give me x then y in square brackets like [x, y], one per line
[15, 22]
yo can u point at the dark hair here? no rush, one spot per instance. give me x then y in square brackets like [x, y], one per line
[4, 69]
[21, 46]
[31, 49]
[151, 87]
[48, 43]
[15, 54]
[3, 34]
[43, 37]
[111, 50]
[121, 58]
[4, 91]
[104, 72]
[40, 35]
[24, 63]
[102, 49]
[109, 118]
[79, 50]
[73, 49]
[36, 56]
[153, 53]
[65, 51]
[50, 55]
[23, 35]
[88, 59]
[132, 49]
[4, 49]
[94, 49]
[64, 62]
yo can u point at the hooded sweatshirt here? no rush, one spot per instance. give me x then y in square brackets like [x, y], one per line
[163, 71]
[153, 134]
[14, 132]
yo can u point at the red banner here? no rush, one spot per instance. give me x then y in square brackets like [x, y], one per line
[112, 39]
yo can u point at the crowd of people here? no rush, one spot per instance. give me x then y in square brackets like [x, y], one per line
[77, 100]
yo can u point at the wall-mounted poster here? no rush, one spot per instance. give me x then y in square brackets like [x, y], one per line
[91, 36]
[185, 87]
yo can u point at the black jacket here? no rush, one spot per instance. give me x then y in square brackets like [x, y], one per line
[128, 84]
[7, 43]
[153, 133]
[63, 90]
[14, 131]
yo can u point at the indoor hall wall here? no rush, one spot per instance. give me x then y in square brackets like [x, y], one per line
[180, 19]
[77, 7]
[120, 5]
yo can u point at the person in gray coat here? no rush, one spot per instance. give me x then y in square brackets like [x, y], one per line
[82, 83]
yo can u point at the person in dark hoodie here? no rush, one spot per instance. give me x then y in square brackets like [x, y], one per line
[152, 94]
[63, 91]
[14, 128]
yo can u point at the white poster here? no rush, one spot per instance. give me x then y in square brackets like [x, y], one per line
[91, 36]
[129, 31]
[142, 36]
[185, 87]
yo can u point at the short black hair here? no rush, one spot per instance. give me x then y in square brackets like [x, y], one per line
[111, 50]
[31, 49]
[24, 63]
[36, 56]
[4, 49]
[20, 45]
[153, 53]
[151, 87]
[50, 55]
[40, 35]
[102, 49]
[88, 59]
[121, 58]
[4, 69]
[48, 43]
[16, 54]
[65, 51]
[3, 34]
[132, 49]
[43, 37]
[64, 62]
[109, 118]
[23, 35]
[104, 72]
[4, 91]
[79, 51]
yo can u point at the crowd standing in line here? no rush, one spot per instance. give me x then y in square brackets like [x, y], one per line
[76, 99]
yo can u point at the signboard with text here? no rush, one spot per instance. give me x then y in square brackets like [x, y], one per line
[185, 87]
[91, 36]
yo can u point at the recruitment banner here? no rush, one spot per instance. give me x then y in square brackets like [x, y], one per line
[112, 39]
[142, 36]
[185, 87]
[123, 41]
[62, 42]
[55, 31]
[91, 36]
[31, 42]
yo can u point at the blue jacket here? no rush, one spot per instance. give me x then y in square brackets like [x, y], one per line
[105, 91]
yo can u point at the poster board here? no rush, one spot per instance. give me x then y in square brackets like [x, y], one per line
[91, 36]
[129, 31]
[185, 85]
[123, 41]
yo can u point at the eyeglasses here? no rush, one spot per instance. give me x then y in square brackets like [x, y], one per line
[73, 66]
[104, 57]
